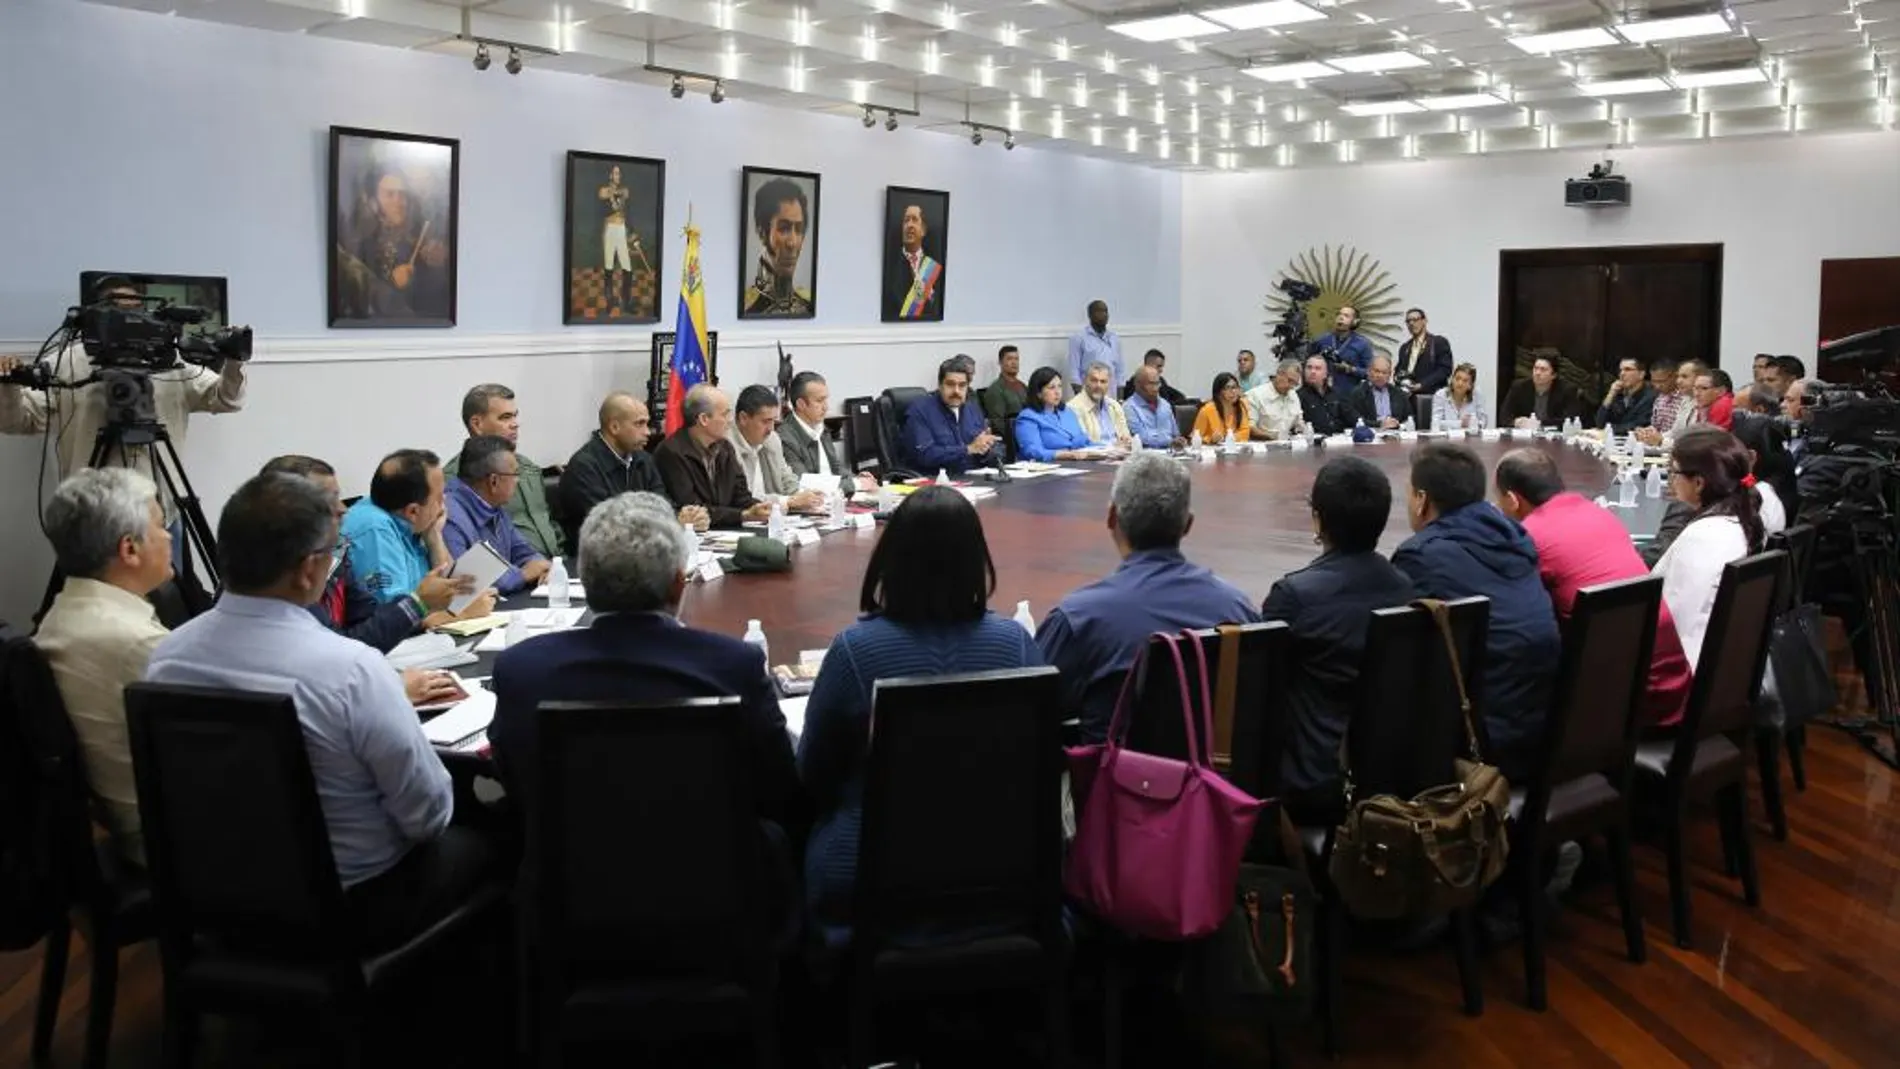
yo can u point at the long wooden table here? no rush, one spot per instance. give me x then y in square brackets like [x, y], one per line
[1049, 535]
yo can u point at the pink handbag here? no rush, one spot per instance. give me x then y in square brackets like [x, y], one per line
[1158, 841]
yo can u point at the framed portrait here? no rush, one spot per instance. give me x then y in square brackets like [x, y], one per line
[778, 244]
[393, 219]
[616, 206]
[916, 229]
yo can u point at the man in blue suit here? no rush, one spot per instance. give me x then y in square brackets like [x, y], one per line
[944, 432]
[633, 561]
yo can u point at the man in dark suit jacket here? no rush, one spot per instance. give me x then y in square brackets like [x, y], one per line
[698, 466]
[633, 562]
[946, 431]
[612, 462]
[1364, 400]
[809, 448]
[1321, 406]
[1425, 358]
[1541, 398]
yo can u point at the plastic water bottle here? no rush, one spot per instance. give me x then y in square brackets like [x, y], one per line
[775, 522]
[1410, 426]
[1653, 484]
[755, 636]
[1626, 491]
[692, 545]
[1227, 440]
[943, 477]
[834, 510]
[557, 585]
[1195, 439]
[1025, 618]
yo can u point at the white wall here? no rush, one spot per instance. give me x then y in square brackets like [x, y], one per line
[152, 143]
[1778, 206]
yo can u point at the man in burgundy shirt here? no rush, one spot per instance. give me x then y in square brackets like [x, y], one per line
[1579, 545]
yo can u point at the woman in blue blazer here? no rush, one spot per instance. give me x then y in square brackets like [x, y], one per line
[1046, 429]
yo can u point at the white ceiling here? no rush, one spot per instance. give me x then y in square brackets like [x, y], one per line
[1053, 72]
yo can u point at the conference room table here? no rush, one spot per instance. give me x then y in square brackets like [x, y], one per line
[1049, 535]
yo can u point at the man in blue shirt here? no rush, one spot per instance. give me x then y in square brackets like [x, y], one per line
[1094, 343]
[944, 432]
[478, 511]
[385, 796]
[1150, 418]
[395, 533]
[1346, 350]
[1095, 633]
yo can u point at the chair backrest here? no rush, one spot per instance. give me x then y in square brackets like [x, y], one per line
[1407, 728]
[860, 433]
[1734, 651]
[45, 833]
[1423, 419]
[1259, 731]
[962, 807]
[644, 849]
[1602, 677]
[235, 837]
[893, 405]
[1798, 541]
[1184, 416]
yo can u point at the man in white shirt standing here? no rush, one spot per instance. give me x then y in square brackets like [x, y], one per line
[109, 535]
[1276, 405]
[808, 449]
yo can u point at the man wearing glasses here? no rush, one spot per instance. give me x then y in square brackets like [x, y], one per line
[1630, 402]
[1425, 359]
[478, 512]
[1714, 399]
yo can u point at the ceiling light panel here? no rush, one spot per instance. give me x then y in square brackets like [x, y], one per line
[1544, 44]
[1378, 62]
[1291, 72]
[1623, 87]
[1676, 29]
[1167, 28]
[1711, 79]
[1461, 101]
[1367, 108]
[1262, 16]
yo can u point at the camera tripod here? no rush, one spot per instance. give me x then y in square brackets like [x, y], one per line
[1872, 621]
[119, 443]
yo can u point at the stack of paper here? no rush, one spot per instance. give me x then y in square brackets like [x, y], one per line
[468, 718]
[428, 651]
[482, 564]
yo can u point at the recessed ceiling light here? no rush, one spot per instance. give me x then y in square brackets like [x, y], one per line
[1380, 107]
[1261, 16]
[1166, 28]
[1708, 79]
[1709, 25]
[1375, 62]
[1291, 72]
[1623, 87]
[1460, 101]
[1543, 44]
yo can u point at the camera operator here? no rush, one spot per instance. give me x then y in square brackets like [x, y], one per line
[1346, 350]
[1425, 360]
[75, 419]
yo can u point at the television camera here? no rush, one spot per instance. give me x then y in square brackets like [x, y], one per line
[126, 343]
[1289, 334]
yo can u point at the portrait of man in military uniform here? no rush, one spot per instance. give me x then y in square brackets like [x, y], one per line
[615, 210]
[392, 229]
[778, 253]
[915, 222]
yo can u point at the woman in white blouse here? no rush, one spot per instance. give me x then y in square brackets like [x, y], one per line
[1774, 472]
[1708, 472]
[1458, 404]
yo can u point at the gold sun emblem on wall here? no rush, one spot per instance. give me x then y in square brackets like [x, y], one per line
[1344, 276]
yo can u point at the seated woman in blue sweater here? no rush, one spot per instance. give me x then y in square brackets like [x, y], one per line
[1046, 429]
[925, 599]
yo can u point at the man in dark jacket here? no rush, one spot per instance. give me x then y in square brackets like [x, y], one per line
[1321, 406]
[1464, 547]
[612, 462]
[1631, 401]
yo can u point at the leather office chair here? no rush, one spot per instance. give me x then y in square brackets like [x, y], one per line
[87, 882]
[892, 406]
[860, 434]
[251, 914]
[1795, 613]
[1185, 414]
[1709, 755]
[1423, 402]
[615, 950]
[1581, 780]
[991, 863]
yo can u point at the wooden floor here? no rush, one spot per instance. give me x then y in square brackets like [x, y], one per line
[1810, 979]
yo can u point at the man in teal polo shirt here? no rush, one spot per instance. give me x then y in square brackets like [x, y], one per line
[490, 409]
[395, 534]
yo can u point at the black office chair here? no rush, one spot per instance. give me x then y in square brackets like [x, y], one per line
[860, 434]
[86, 880]
[892, 406]
[1581, 782]
[1806, 686]
[1404, 736]
[636, 925]
[1185, 414]
[1423, 402]
[991, 863]
[1708, 757]
[251, 914]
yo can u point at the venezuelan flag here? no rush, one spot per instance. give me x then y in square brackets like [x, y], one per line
[689, 344]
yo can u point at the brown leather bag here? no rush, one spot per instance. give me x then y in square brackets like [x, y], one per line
[1433, 853]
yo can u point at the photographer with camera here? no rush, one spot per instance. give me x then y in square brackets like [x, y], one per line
[1346, 350]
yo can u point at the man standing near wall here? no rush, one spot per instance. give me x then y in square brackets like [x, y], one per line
[1095, 343]
[490, 409]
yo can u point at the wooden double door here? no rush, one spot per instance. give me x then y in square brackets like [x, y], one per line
[1589, 308]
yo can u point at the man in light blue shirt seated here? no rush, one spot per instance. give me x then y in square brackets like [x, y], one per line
[946, 431]
[1096, 632]
[1095, 343]
[395, 534]
[1151, 419]
[478, 511]
[385, 796]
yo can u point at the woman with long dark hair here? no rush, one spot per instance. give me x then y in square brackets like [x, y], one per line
[1046, 428]
[1709, 472]
[1227, 412]
[926, 612]
[1458, 404]
[1772, 467]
